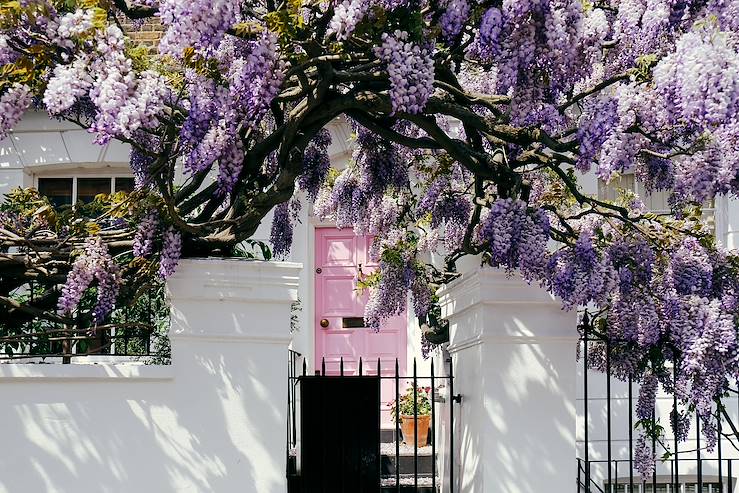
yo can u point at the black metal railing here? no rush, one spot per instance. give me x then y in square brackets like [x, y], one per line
[420, 476]
[676, 470]
[138, 330]
[664, 479]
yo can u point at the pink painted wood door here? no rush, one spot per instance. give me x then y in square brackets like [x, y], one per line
[339, 253]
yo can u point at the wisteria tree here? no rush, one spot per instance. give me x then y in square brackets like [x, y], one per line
[472, 121]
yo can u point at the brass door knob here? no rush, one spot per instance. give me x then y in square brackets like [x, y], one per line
[324, 323]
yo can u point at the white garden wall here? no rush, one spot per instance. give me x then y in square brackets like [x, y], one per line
[215, 420]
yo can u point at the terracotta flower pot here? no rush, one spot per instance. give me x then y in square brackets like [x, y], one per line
[408, 429]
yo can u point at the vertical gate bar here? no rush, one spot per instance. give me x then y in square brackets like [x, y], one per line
[433, 428]
[451, 425]
[360, 366]
[396, 431]
[150, 315]
[289, 438]
[294, 384]
[290, 398]
[615, 486]
[126, 318]
[342, 452]
[322, 388]
[730, 479]
[608, 411]
[698, 451]
[631, 435]
[672, 475]
[358, 449]
[415, 426]
[654, 451]
[305, 367]
[379, 417]
[29, 325]
[675, 425]
[720, 457]
[585, 400]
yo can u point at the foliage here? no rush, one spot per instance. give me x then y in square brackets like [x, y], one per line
[406, 407]
[472, 121]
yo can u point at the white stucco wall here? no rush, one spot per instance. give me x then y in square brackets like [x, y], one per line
[512, 349]
[215, 420]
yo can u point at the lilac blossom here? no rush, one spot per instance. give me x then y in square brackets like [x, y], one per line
[143, 241]
[316, 163]
[171, 251]
[281, 235]
[67, 85]
[12, 105]
[452, 20]
[200, 24]
[347, 14]
[94, 264]
[411, 70]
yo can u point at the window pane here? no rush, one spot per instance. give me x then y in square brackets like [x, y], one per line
[610, 190]
[88, 188]
[123, 184]
[58, 190]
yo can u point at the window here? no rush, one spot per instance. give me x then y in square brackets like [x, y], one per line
[657, 202]
[70, 190]
[58, 190]
[124, 184]
[89, 188]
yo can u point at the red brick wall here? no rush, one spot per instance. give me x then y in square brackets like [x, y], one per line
[149, 33]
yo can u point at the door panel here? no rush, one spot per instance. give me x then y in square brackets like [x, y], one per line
[339, 254]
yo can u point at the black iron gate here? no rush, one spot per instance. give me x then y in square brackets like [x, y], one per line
[335, 429]
[340, 434]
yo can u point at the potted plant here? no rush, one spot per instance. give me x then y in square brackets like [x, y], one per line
[403, 413]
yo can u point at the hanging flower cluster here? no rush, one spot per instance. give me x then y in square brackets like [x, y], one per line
[94, 265]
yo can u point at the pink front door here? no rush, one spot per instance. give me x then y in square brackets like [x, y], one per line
[339, 305]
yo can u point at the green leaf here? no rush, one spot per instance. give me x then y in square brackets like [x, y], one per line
[266, 252]
[248, 29]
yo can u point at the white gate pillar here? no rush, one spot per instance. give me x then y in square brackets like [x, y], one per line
[513, 354]
[230, 334]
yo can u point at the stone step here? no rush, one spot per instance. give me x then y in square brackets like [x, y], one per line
[405, 450]
[387, 435]
[405, 461]
[407, 484]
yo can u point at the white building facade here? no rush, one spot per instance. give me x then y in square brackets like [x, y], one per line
[523, 397]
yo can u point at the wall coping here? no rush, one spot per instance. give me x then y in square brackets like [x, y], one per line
[121, 372]
[233, 279]
[491, 286]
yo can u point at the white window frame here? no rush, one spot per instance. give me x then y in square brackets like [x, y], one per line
[112, 174]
